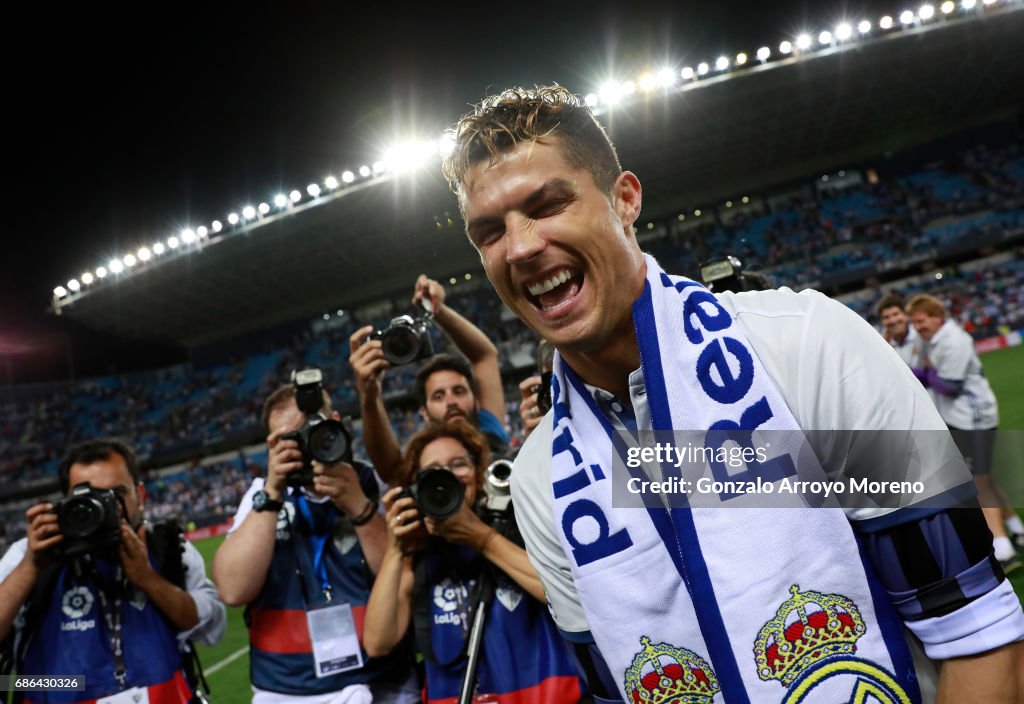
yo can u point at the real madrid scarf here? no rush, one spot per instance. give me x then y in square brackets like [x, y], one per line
[694, 604]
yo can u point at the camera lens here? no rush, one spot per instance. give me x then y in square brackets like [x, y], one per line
[439, 493]
[328, 442]
[400, 345]
[80, 517]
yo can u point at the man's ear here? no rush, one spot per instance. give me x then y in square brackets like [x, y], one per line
[140, 489]
[424, 416]
[627, 195]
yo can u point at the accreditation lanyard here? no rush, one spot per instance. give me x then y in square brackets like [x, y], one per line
[112, 616]
[319, 540]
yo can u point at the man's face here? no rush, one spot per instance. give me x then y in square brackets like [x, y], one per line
[449, 394]
[112, 473]
[894, 320]
[558, 250]
[926, 325]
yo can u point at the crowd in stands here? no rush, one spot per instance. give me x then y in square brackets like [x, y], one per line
[861, 226]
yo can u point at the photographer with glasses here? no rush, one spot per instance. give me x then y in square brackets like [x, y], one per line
[445, 540]
[93, 591]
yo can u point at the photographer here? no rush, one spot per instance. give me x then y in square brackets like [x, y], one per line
[536, 390]
[430, 575]
[303, 549]
[100, 606]
[446, 386]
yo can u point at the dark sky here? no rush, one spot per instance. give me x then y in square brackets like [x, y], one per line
[123, 127]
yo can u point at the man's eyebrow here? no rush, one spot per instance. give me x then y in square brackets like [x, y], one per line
[556, 186]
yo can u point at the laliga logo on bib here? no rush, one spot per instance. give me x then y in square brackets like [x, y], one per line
[808, 647]
[77, 602]
[447, 595]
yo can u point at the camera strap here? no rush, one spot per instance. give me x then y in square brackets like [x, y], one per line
[111, 610]
[320, 534]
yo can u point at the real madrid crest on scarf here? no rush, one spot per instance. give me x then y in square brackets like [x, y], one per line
[675, 595]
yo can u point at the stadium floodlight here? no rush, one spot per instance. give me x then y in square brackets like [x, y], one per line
[926, 12]
[864, 26]
[763, 53]
[721, 63]
[610, 92]
[115, 266]
[803, 42]
[74, 285]
[295, 196]
[280, 200]
[264, 208]
[844, 31]
[158, 248]
[885, 22]
[364, 171]
[786, 47]
[130, 260]
[947, 7]
[702, 68]
[87, 278]
[446, 143]
[628, 88]
[648, 82]
[313, 189]
[906, 17]
[590, 101]
[697, 212]
[188, 236]
[988, 2]
[216, 226]
[968, 4]
[825, 37]
[327, 316]
[101, 272]
[348, 176]
[172, 242]
[232, 218]
[452, 281]
[686, 73]
[331, 182]
[666, 77]
[248, 212]
[379, 167]
[144, 254]
[202, 231]
[406, 156]
[60, 292]
[746, 199]
[741, 59]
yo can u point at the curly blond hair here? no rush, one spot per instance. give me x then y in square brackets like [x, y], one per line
[502, 121]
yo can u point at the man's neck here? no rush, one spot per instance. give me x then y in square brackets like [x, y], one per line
[608, 368]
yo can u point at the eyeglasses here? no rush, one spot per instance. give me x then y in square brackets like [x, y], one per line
[459, 465]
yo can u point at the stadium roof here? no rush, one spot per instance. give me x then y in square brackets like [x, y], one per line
[767, 125]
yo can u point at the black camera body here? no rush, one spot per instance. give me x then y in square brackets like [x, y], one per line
[320, 438]
[405, 340]
[89, 519]
[543, 391]
[438, 493]
[728, 274]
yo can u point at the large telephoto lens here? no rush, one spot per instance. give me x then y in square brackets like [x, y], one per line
[329, 442]
[400, 345]
[439, 493]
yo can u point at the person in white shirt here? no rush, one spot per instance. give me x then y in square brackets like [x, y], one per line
[949, 367]
[897, 330]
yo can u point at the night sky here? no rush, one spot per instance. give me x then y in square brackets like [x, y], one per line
[124, 128]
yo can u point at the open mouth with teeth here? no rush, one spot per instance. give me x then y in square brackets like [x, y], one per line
[555, 291]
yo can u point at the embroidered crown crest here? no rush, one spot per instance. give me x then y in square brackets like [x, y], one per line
[807, 628]
[663, 674]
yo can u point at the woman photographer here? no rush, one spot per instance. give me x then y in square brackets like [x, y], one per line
[429, 577]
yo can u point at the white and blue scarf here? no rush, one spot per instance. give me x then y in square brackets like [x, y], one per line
[701, 604]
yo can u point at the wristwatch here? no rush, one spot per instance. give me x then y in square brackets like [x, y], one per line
[261, 501]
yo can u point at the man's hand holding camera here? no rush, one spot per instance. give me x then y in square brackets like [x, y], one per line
[368, 362]
[283, 458]
[428, 290]
[135, 557]
[341, 483]
[43, 534]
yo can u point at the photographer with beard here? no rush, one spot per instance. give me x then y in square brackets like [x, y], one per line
[446, 385]
[108, 607]
[433, 568]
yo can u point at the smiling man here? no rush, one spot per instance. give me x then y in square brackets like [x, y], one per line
[665, 601]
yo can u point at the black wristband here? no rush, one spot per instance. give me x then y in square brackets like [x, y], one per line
[364, 518]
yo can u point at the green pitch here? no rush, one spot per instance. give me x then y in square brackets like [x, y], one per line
[229, 679]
